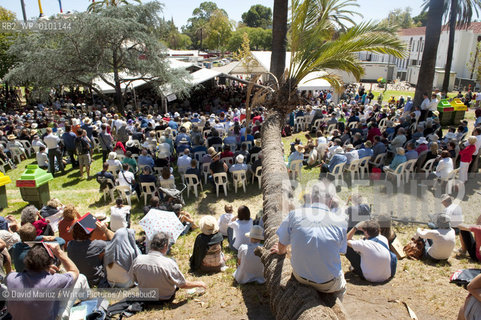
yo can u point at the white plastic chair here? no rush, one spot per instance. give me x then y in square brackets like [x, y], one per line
[27, 146]
[198, 156]
[96, 142]
[109, 190]
[354, 169]
[228, 160]
[220, 179]
[428, 167]
[296, 169]
[379, 160]
[115, 170]
[337, 172]
[299, 123]
[364, 166]
[192, 181]
[126, 193]
[450, 180]
[352, 125]
[331, 127]
[409, 169]
[257, 174]
[205, 171]
[317, 124]
[399, 173]
[254, 157]
[17, 153]
[217, 147]
[148, 189]
[239, 177]
[382, 124]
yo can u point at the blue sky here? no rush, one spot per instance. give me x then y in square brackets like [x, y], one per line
[181, 10]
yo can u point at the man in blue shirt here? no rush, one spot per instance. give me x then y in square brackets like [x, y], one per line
[145, 159]
[366, 150]
[318, 237]
[69, 142]
[335, 160]
[182, 136]
[409, 105]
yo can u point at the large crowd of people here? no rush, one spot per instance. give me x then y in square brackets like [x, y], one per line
[152, 155]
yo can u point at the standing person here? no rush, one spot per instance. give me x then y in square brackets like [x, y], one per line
[82, 144]
[317, 237]
[52, 142]
[156, 270]
[370, 257]
[424, 107]
[69, 143]
[466, 156]
[106, 142]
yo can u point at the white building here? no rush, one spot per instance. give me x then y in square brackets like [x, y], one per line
[462, 71]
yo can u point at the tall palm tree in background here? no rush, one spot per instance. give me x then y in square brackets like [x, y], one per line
[323, 38]
[108, 3]
[424, 84]
[460, 14]
[24, 12]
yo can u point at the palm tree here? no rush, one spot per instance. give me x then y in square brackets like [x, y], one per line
[428, 62]
[24, 12]
[460, 16]
[322, 38]
[107, 3]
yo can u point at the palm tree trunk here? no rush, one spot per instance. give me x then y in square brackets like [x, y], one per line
[428, 64]
[288, 298]
[24, 12]
[452, 32]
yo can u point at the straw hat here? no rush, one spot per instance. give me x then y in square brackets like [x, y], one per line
[87, 120]
[33, 132]
[257, 142]
[256, 233]
[11, 137]
[299, 148]
[211, 151]
[208, 225]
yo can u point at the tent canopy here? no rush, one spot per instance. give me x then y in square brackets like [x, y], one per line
[311, 82]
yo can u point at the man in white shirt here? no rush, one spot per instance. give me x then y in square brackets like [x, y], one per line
[452, 210]
[433, 105]
[370, 258]
[52, 142]
[126, 178]
[249, 266]
[183, 163]
[42, 158]
[424, 106]
[439, 243]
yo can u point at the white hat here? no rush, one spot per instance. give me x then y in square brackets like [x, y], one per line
[239, 159]
[256, 233]
[422, 140]
[208, 225]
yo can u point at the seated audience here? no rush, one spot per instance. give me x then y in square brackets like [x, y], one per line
[207, 255]
[119, 215]
[240, 224]
[438, 243]
[249, 266]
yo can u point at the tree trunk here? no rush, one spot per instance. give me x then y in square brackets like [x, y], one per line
[118, 97]
[452, 33]
[428, 64]
[288, 298]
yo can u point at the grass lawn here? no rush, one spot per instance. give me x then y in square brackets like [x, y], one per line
[423, 286]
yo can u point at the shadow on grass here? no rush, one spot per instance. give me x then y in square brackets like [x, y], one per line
[256, 299]
[70, 183]
[355, 279]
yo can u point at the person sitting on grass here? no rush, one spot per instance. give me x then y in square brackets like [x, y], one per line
[249, 266]
[154, 204]
[207, 255]
[438, 243]
[88, 254]
[224, 221]
[42, 158]
[240, 224]
[370, 258]
[156, 270]
[119, 215]
[30, 214]
[471, 244]
[120, 253]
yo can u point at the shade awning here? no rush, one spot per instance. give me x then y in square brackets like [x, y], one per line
[312, 82]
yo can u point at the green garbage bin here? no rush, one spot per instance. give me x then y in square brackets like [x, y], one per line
[33, 184]
[446, 112]
[4, 180]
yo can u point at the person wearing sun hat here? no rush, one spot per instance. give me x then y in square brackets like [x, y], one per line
[207, 255]
[249, 266]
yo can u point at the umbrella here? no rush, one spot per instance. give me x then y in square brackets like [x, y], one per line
[156, 221]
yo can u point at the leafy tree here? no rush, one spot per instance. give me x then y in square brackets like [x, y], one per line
[6, 40]
[400, 18]
[259, 39]
[196, 27]
[474, 64]
[421, 19]
[171, 36]
[258, 16]
[118, 41]
[321, 39]
[107, 3]
[219, 30]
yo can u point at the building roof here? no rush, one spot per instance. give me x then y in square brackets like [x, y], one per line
[475, 27]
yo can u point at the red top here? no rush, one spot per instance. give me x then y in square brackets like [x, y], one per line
[467, 153]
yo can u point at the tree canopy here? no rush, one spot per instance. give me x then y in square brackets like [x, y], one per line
[219, 30]
[258, 16]
[400, 18]
[122, 41]
[259, 39]
[6, 40]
